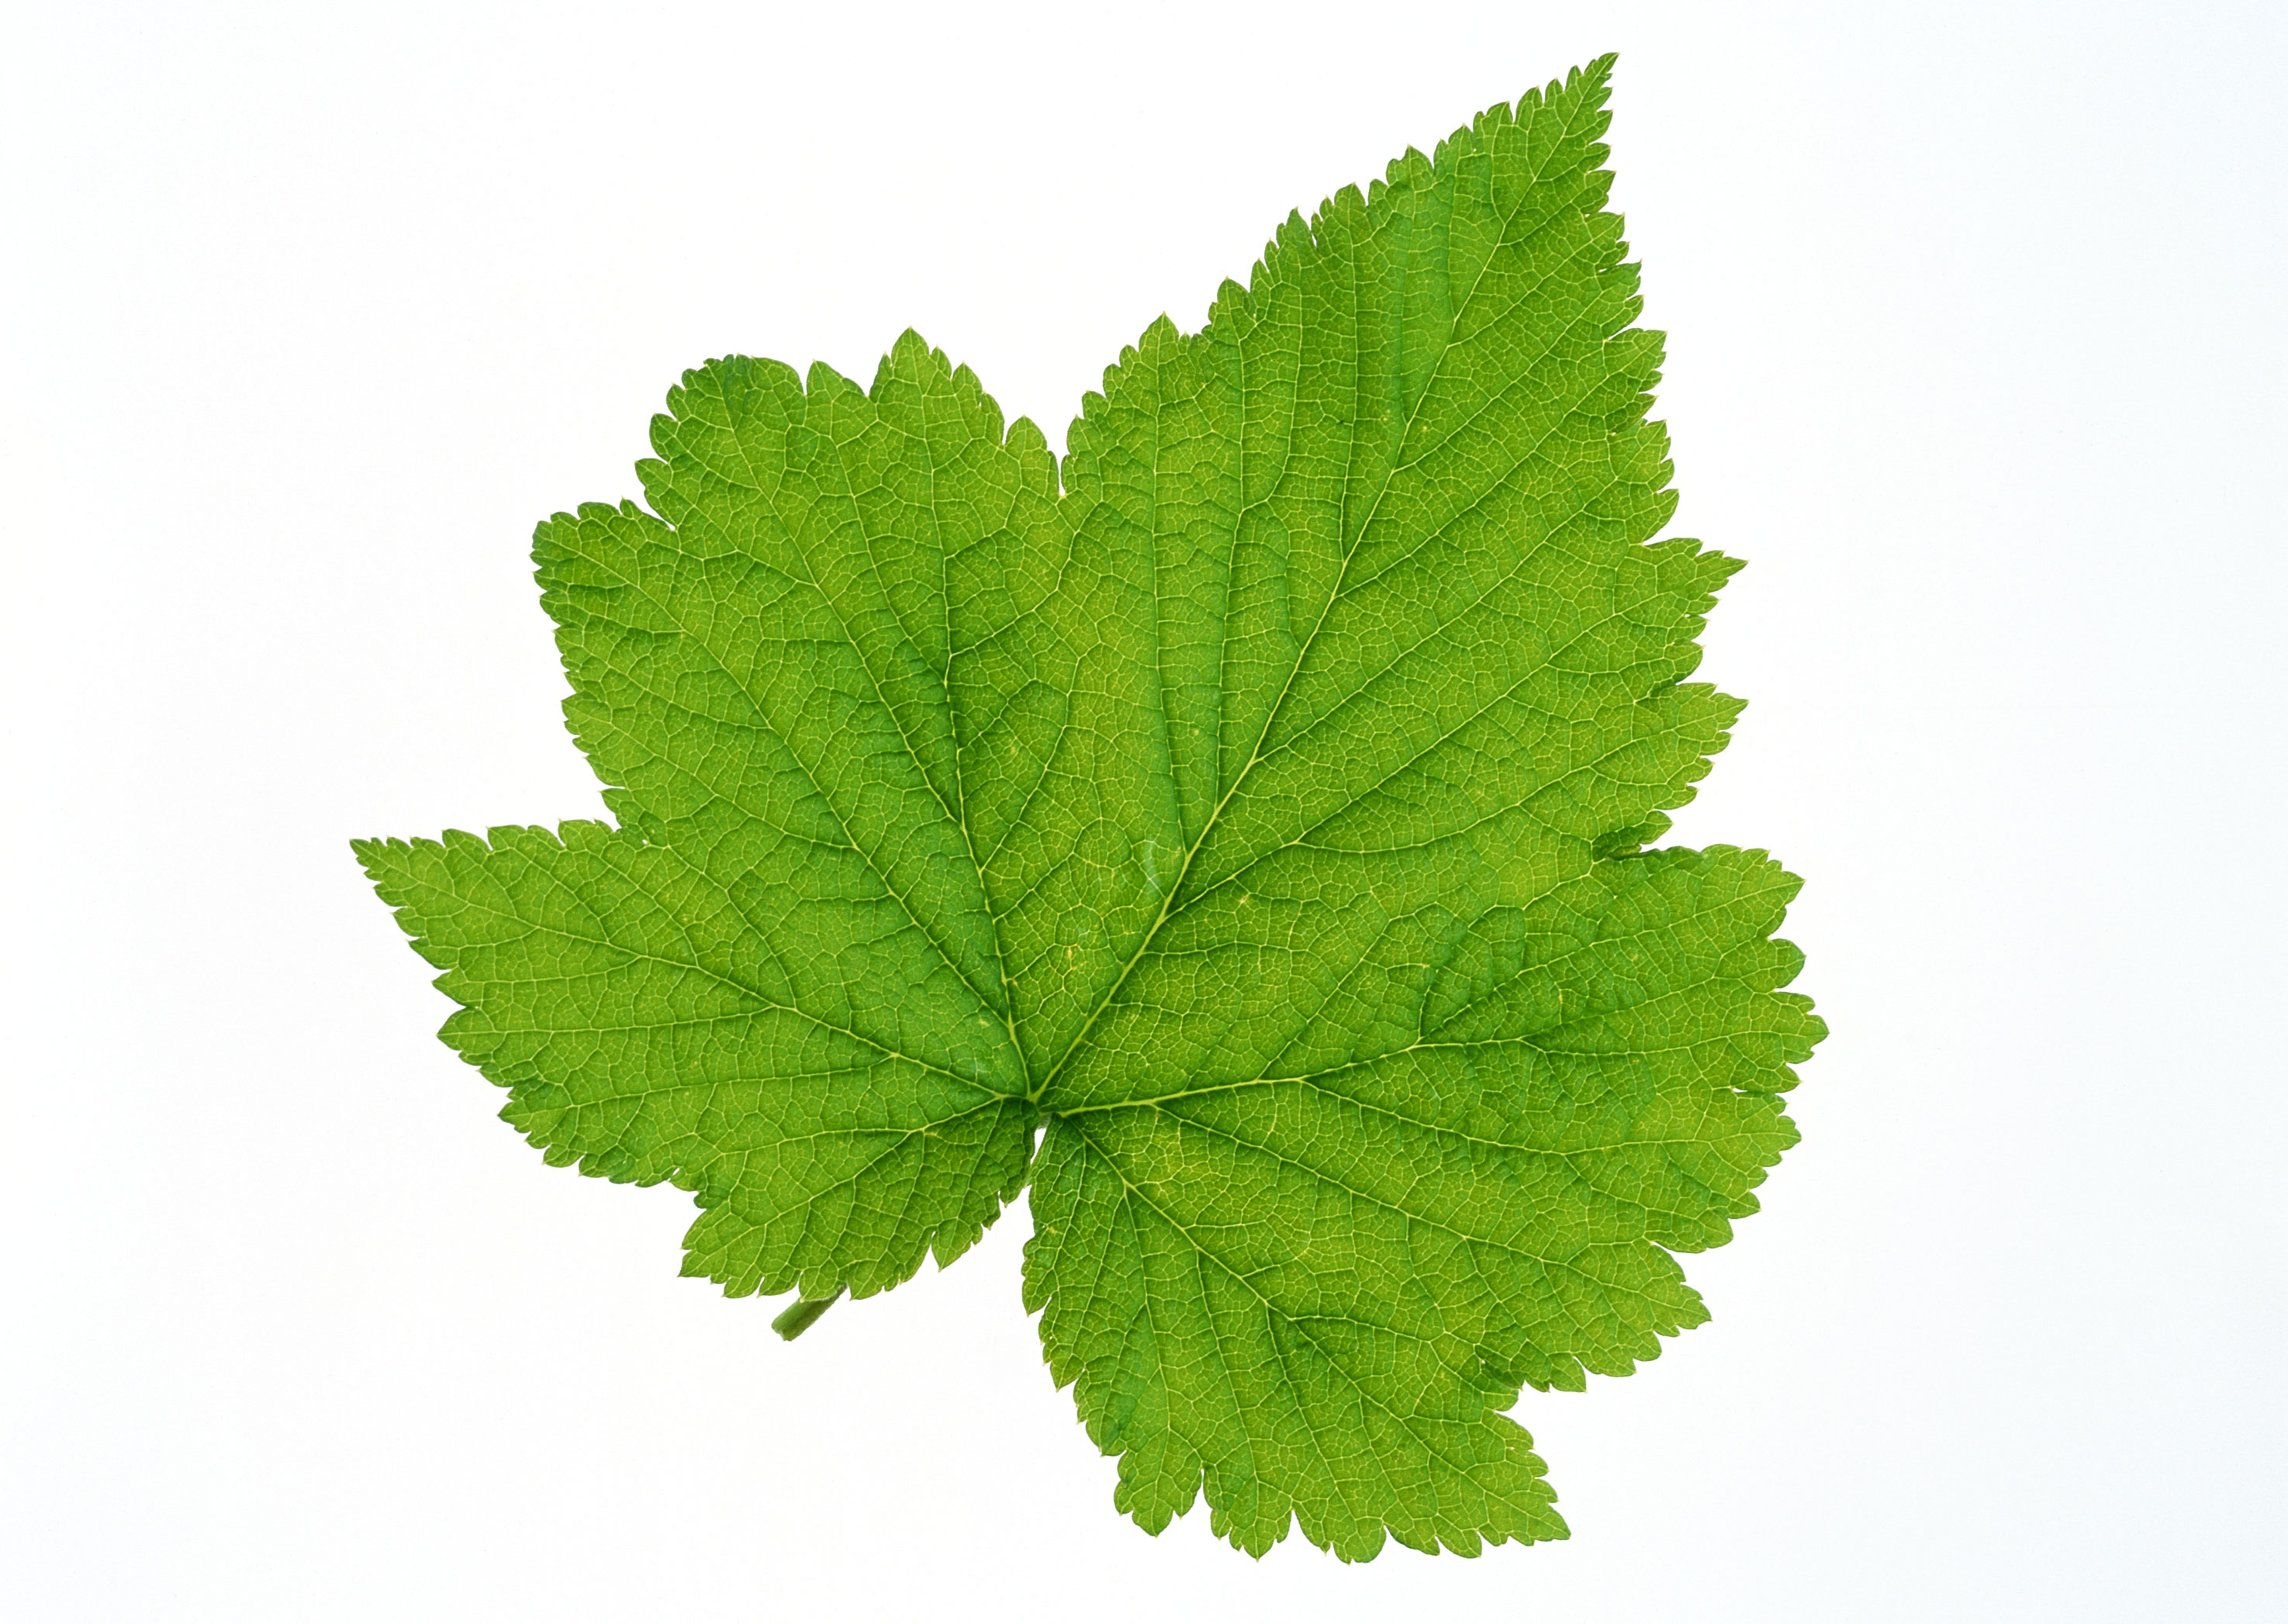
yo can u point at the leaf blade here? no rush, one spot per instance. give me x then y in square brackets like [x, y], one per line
[1256, 801]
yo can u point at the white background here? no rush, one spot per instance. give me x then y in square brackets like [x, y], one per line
[310, 313]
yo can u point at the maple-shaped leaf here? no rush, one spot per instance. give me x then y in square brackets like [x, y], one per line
[1234, 832]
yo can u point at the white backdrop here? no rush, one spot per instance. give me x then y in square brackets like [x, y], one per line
[310, 313]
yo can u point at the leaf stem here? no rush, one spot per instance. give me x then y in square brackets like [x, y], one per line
[801, 1314]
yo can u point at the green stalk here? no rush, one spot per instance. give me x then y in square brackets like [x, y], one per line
[803, 1313]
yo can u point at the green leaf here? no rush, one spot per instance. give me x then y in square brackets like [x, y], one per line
[1250, 811]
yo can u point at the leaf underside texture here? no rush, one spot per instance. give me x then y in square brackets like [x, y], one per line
[1234, 833]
